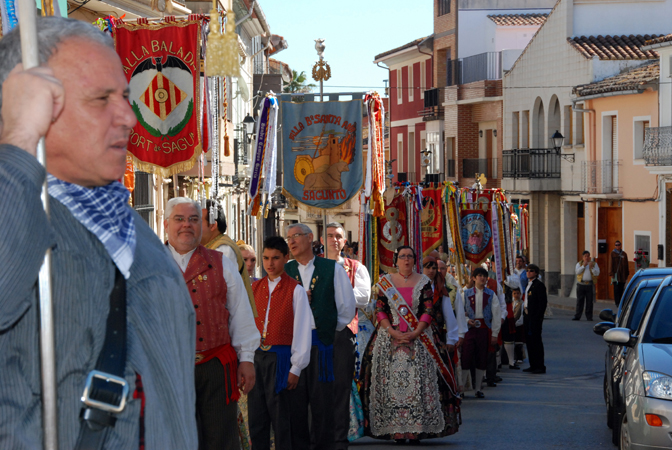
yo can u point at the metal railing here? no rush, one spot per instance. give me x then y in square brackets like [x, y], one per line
[432, 107]
[601, 177]
[472, 167]
[658, 146]
[484, 66]
[531, 163]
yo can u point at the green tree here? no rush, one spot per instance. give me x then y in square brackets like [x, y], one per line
[298, 84]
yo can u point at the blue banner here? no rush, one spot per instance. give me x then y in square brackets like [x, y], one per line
[322, 152]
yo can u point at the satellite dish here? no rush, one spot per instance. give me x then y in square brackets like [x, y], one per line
[244, 91]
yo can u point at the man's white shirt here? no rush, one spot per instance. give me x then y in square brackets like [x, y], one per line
[362, 289]
[478, 312]
[585, 272]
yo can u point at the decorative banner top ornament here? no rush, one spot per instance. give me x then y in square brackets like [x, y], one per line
[321, 70]
[222, 51]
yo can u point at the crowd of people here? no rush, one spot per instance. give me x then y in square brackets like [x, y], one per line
[178, 344]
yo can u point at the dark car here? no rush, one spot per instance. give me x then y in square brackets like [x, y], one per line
[656, 272]
[629, 317]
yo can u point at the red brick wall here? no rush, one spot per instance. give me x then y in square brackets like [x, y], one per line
[443, 24]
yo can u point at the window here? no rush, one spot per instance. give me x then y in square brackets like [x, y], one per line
[525, 131]
[643, 242]
[515, 135]
[410, 83]
[444, 7]
[400, 152]
[399, 89]
[641, 126]
[580, 140]
[569, 126]
[423, 76]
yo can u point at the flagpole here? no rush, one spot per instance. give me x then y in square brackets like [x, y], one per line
[30, 59]
[320, 75]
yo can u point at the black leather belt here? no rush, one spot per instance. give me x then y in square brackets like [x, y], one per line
[106, 389]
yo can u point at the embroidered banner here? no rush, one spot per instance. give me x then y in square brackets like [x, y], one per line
[162, 66]
[431, 219]
[322, 152]
[475, 228]
[392, 231]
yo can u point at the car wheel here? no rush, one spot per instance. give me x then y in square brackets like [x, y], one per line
[615, 428]
[624, 442]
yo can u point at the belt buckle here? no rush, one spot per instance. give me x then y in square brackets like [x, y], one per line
[199, 357]
[477, 323]
[109, 378]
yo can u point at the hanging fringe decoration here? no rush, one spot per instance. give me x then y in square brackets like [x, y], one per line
[375, 162]
[222, 59]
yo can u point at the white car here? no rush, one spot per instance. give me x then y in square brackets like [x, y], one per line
[647, 382]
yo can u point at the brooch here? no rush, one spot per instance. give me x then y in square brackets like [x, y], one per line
[312, 285]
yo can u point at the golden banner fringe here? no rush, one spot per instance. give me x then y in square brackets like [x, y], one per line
[182, 166]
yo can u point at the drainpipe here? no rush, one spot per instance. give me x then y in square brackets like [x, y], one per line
[249, 14]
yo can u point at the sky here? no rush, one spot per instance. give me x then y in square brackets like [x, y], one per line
[355, 31]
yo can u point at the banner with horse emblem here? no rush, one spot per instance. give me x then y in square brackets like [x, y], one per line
[322, 152]
[392, 232]
[162, 65]
[475, 226]
[431, 219]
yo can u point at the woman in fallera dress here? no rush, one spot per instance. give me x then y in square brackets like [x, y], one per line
[403, 394]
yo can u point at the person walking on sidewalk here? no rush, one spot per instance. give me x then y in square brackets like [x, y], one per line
[618, 271]
[535, 305]
[586, 279]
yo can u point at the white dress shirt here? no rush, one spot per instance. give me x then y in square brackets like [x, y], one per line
[452, 334]
[362, 289]
[245, 337]
[303, 326]
[478, 313]
[343, 292]
[229, 253]
[585, 271]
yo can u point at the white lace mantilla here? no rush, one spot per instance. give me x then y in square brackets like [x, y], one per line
[404, 395]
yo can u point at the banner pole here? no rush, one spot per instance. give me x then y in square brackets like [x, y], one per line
[30, 59]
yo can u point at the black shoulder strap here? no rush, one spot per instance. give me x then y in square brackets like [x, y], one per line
[106, 389]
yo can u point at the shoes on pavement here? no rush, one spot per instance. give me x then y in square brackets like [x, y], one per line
[480, 394]
[400, 441]
[529, 369]
[590, 320]
[519, 362]
[514, 367]
[492, 384]
[576, 318]
[498, 379]
[538, 371]
[414, 442]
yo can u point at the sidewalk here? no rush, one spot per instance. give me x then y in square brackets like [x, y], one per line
[569, 304]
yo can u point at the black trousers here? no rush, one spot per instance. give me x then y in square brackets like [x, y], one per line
[318, 433]
[618, 292]
[267, 408]
[344, 368]
[584, 293]
[217, 422]
[535, 346]
[491, 369]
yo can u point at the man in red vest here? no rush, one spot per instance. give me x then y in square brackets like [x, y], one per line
[344, 341]
[285, 322]
[226, 334]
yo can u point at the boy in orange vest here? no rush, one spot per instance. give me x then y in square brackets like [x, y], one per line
[285, 322]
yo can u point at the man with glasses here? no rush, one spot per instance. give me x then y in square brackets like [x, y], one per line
[618, 271]
[332, 302]
[534, 308]
[226, 333]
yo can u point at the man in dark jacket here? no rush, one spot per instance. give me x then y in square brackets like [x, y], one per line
[535, 307]
[618, 271]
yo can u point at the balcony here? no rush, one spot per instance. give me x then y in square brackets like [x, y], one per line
[432, 109]
[658, 146]
[472, 167]
[485, 66]
[600, 178]
[531, 169]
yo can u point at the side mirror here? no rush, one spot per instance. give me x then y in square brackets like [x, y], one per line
[603, 327]
[620, 336]
[608, 315]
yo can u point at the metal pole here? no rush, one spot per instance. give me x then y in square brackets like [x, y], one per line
[324, 211]
[29, 52]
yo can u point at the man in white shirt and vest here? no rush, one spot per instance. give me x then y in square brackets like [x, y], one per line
[587, 272]
[332, 302]
[226, 334]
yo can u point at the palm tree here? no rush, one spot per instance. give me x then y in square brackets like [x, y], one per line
[298, 84]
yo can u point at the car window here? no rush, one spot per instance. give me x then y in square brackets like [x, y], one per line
[638, 306]
[659, 327]
[626, 302]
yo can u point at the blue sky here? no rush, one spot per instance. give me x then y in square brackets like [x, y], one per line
[354, 32]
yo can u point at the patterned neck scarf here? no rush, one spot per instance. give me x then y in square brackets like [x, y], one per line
[104, 211]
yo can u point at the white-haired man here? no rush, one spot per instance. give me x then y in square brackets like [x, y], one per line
[332, 302]
[103, 253]
[344, 341]
[226, 334]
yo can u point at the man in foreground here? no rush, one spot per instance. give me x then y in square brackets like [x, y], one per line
[78, 101]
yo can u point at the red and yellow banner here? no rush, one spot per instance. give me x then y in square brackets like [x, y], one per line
[431, 219]
[162, 66]
[392, 232]
[476, 230]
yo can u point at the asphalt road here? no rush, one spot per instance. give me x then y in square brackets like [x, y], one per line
[563, 409]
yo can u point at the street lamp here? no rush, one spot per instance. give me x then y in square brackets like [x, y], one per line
[556, 141]
[249, 122]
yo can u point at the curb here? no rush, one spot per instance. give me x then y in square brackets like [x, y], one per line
[604, 305]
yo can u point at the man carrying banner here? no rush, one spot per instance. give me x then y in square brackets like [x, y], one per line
[226, 334]
[344, 341]
[332, 302]
[479, 320]
[78, 101]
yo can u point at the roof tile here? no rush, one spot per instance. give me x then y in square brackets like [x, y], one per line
[614, 47]
[636, 78]
[518, 19]
[660, 40]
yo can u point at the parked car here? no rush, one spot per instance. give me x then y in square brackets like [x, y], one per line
[631, 314]
[647, 381]
[655, 272]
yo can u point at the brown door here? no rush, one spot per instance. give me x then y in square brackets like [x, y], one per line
[580, 231]
[609, 227]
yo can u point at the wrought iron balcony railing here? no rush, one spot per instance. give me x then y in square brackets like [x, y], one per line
[432, 108]
[601, 177]
[658, 146]
[484, 66]
[531, 163]
[472, 167]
